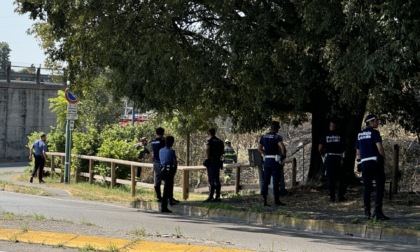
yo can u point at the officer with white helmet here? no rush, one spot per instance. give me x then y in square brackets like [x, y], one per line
[370, 156]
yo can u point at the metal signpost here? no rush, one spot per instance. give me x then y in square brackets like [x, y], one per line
[71, 116]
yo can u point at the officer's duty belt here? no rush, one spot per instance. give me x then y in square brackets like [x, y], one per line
[333, 154]
[375, 158]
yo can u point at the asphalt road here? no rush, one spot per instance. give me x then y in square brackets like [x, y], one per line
[125, 219]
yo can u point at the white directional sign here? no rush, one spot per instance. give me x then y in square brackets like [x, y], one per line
[72, 111]
[72, 117]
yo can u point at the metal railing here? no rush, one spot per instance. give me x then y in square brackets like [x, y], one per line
[186, 170]
[30, 74]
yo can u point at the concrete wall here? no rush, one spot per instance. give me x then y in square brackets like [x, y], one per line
[24, 108]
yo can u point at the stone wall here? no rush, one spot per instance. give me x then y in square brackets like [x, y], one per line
[24, 108]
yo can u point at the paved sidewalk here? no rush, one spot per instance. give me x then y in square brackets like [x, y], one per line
[100, 243]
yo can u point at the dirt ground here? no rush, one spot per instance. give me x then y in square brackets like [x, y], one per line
[313, 203]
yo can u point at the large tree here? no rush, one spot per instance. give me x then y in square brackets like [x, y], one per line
[4, 55]
[250, 60]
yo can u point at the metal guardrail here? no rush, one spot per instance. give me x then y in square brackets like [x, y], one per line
[184, 169]
[31, 75]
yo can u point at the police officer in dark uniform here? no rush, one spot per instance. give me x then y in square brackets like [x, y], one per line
[157, 144]
[274, 152]
[168, 164]
[214, 163]
[331, 149]
[39, 151]
[370, 156]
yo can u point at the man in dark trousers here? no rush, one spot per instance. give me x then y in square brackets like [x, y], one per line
[370, 156]
[39, 151]
[331, 149]
[274, 152]
[214, 163]
[157, 144]
[168, 164]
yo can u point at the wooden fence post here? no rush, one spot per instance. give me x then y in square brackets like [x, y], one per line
[62, 170]
[394, 188]
[52, 164]
[237, 179]
[133, 180]
[294, 165]
[185, 184]
[91, 171]
[76, 174]
[113, 175]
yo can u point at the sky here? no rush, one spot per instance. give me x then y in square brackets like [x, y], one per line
[13, 30]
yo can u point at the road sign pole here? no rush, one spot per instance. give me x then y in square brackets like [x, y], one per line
[68, 155]
[71, 115]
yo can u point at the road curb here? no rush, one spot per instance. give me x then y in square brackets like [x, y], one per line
[407, 236]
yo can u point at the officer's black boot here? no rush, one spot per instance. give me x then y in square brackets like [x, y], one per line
[265, 200]
[164, 206]
[278, 202]
[378, 214]
[218, 189]
[211, 193]
[158, 193]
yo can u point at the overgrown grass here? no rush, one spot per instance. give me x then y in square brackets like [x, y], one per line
[87, 248]
[100, 191]
[11, 187]
[4, 215]
[138, 232]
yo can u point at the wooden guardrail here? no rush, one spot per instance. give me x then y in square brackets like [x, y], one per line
[134, 165]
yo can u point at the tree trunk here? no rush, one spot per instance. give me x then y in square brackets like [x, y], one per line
[318, 128]
[351, 126]
[320, 107]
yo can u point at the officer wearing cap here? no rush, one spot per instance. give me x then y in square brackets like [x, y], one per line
[157, 144]
[274, 152]
[169, 164]
[370, 156]
[213, 163]
[331, 149]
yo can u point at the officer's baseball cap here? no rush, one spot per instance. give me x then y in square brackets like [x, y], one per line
[227, 141]
[370, 117]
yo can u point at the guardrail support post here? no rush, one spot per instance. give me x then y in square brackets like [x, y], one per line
[62, 169]
[133, 180]
[185, 184]
[237, 179]
[113, 175]
[91, 173]
[76, 174]
[8, 72]
[52, 164]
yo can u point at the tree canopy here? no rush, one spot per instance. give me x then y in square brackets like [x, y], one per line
[4, 55]
[250, 60]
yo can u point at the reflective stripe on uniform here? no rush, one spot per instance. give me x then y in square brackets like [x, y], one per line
[375, 158]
